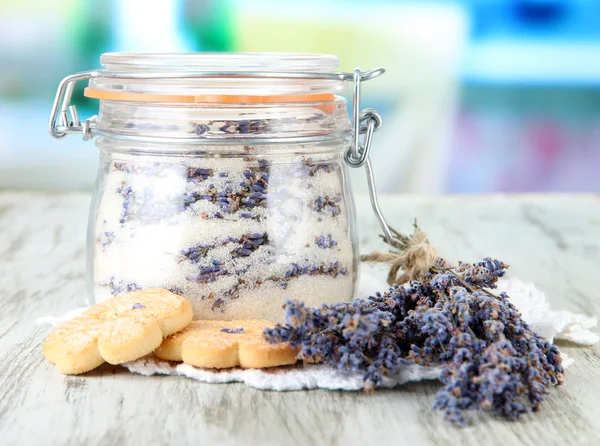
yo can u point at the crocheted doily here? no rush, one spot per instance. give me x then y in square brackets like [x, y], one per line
[530, 301]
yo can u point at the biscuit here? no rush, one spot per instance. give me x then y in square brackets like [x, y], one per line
[225, 344]
[117, 330]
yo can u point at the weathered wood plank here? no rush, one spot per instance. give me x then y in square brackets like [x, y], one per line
[553, 241]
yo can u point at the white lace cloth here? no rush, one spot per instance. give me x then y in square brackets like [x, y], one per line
[526, 297]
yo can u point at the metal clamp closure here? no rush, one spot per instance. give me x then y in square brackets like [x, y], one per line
[64, 118]
[365, 122]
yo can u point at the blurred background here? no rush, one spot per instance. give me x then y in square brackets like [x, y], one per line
[479, 96]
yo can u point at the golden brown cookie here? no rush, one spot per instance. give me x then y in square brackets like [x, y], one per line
[225, 344]
[118, 330]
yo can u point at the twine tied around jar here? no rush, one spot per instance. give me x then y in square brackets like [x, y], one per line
[412, 258]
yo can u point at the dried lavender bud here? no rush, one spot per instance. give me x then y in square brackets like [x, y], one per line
[137, 305]
[197, 174]
[236, 127]
[482, 273]
[201, 129]
[490, 357]
[176, 290]
[119, 287]
[106, 238]
[217, 304]
[334, 269]
[126, 192]
[247, 244]
[308, 168]
[234, 291]
[325, 241]
[252, 192]
[233, 330]
[208, 273]
[123, 167]
[327, 205]
[250, 126]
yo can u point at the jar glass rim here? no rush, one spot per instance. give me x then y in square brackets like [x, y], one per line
[211, 61]
[218, 74]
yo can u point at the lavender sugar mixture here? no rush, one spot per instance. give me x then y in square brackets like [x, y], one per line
[490, 358]
[235, 235]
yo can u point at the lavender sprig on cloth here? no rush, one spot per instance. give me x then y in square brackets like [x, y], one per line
[490, 357]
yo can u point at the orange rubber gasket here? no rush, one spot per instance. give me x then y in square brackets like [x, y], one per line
[90, 92]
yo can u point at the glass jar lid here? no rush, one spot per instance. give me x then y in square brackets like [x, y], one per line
[195, 77]
[297, 62]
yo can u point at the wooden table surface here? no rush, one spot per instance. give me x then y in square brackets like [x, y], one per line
[551, 240]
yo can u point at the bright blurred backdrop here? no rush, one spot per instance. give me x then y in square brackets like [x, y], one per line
[479, 96]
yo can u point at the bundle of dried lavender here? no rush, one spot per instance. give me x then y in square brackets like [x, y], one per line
[491, 359]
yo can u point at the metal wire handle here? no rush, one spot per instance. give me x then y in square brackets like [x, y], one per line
[366, 122]
[64, 118]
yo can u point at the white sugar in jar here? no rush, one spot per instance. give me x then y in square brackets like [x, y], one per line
[223, 178]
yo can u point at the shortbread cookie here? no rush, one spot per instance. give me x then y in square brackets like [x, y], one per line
[117, 330]
[225, 344]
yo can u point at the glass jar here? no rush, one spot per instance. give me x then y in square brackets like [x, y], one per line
[223, 178]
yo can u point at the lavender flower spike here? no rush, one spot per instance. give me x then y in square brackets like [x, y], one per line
[490, 357]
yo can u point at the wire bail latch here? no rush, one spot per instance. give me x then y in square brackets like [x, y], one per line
[64, 118]
[366, 122]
